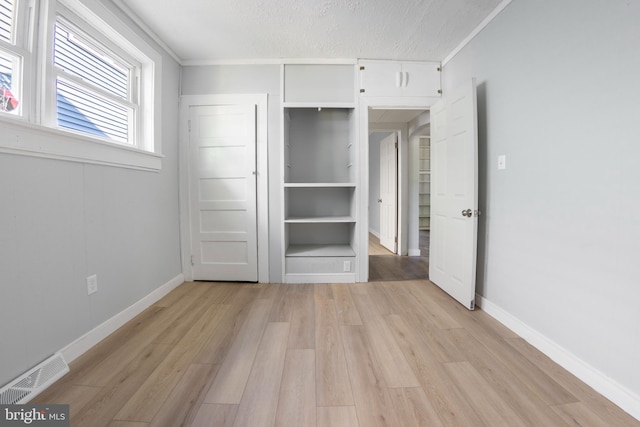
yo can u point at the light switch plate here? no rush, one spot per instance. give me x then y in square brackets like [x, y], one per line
[502, 162]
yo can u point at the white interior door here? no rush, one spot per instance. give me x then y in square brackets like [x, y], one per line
[223, 192]
[454, 194]
[389, 192]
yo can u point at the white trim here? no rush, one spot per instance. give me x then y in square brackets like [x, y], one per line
[320, 278]
[27, 139]
[414, 252]
[100, 332]
[261, 103]
[268, 61]
[476, 31]
[612, 390]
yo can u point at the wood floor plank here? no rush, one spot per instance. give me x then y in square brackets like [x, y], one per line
[450, 405]
[297, 400]
[394, 366]
[182, 405]
[579, 414]
[373, 402]
[214, 415]
[216, 347]
[302, 334]
[260, 399]
[414, 408]
[283, 304]
[337, 416]
[151, 395]
[332, 376]
[346, 308]
[101, 410]
[487, 403]
[229, 384]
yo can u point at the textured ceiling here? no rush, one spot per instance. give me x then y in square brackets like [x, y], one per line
[219, 30]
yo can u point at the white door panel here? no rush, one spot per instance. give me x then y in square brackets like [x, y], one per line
[223, 192]
[388, 192]
[454, 203]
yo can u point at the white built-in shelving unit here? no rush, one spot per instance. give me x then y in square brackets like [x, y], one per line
[319, 116]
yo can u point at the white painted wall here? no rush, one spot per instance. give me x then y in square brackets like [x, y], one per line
[559, 237]
[62, 221]
[250, 79]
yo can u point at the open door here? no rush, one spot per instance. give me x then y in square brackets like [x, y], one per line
[389, 192]
[454, 194]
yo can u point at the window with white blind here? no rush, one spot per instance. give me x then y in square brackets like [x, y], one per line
[77, 83]
[94, 87]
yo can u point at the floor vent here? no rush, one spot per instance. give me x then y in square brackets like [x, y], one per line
[34, 381]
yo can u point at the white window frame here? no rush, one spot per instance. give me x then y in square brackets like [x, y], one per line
[21, 49]
[38, 134]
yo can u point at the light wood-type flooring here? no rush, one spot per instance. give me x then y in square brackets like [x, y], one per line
[397, 354]
[384, 265]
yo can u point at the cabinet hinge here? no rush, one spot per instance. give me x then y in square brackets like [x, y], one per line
[362, 68]
[440, 69]
[361, 90]
[440, 91]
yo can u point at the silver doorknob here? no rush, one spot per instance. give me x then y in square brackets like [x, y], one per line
[468, 213]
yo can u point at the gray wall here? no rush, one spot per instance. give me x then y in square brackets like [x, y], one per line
[558, 94]
[250, 79]
[62, 221]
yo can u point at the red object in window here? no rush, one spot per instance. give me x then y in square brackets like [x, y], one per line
[7, 101]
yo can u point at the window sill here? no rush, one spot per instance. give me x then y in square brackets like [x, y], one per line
[27, 139]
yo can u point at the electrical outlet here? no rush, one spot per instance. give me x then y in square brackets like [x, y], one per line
[347, 266]
[92, 284]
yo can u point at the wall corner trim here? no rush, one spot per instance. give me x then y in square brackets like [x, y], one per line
[100, 332]
[476, 31]
[626, 399]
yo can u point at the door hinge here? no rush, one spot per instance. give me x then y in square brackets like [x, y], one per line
[361, 90]
[395, 239]
[189, 124]
[192, 263]
[396, 145]
[439, 68]
[362, 68]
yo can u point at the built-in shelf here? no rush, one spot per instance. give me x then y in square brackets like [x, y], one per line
[319, 143]
[320, 251]
[319, 185]
[319, 219]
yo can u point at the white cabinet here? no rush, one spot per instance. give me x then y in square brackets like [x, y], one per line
[319, 174]
[393, 78]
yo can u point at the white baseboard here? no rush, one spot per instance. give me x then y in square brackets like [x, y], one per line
[375, 233]
[612, 390]
[414, 252]
[100, 332]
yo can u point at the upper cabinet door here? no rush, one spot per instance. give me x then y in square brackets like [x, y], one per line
[392, 78]
[319, 84]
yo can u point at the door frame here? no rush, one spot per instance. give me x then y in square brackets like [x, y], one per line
[399, 130]
[262, 175]
[385, 103]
